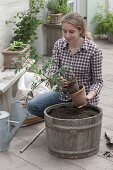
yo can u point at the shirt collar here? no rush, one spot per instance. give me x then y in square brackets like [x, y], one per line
[84, 46]
[65, 44]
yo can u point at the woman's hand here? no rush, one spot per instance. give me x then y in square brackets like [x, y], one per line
[64, 82]
[90, 95]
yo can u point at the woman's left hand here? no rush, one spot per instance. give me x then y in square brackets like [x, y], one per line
[90, 95]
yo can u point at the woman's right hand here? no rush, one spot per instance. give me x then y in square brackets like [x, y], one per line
[64, 82]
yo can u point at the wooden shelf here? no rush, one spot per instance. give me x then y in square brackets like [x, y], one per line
[53, 33]
[8, 85]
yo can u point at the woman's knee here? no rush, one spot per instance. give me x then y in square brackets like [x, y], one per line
[33, 108]
[40, 103]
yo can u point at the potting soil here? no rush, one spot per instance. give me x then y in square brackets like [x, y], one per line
[73, 112]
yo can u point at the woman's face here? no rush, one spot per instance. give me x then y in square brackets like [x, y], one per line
[71, 33]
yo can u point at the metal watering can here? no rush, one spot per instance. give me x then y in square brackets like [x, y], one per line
[5, 134]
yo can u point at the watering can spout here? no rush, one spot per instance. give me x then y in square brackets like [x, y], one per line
[15, 129]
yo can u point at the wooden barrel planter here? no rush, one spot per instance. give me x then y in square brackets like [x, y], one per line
[72, 134]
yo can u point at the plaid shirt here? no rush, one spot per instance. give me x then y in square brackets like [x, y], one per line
[85, 65]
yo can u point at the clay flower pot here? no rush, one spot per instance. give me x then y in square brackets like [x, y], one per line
[79, 97]
[77, 93]
[18, 57]
[55, 18]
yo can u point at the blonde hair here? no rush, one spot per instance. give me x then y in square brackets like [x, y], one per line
[76, 20]
[89, 36]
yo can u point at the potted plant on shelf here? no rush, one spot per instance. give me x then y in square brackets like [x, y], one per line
[104, 23]
[56, 9]
[13, 55]
[25, 26]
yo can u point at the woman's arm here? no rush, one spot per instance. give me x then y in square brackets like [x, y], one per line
[96, 74]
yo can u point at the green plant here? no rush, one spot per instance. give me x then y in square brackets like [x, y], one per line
[26, 24]
[53, 81]
[58, 6]
[104, 22]
[17, 45]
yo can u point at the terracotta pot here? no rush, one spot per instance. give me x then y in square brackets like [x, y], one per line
[79, 98]
[73, 86]
[55, 18]
[18, 57]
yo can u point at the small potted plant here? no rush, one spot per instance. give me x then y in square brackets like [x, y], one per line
[56, 9]
[104, 23]
[77, 92]
[13, 55]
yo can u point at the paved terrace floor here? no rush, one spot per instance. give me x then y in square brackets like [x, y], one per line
[36, 157]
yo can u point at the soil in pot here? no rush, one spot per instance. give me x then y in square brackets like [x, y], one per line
[73, 86]
[73, 112]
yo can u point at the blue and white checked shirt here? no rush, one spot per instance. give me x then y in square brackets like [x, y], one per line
[85, 65]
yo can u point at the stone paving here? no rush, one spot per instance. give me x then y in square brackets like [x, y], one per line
[36, 157]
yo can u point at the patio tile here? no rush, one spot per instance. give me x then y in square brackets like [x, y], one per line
[27, 133]
[37, 154]
[38, 126]
[108, 76]
[107, 111]
[108, 84]
[94, 163]
[40, 157]
[107, 100]
[27, 167]
[108, 131]
[106, 92]
[106, 121]
[103, 149]
[9, 162]
[16, 145]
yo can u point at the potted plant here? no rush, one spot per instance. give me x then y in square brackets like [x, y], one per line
[56, 9]
[104, 23]
[77, 93]
[13, 55]
[25, 26]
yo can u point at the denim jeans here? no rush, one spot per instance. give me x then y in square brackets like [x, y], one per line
[37, 105]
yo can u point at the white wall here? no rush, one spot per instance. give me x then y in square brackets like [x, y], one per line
[41, 33]
[8, 8]
[111, 5]
[83, 7]
[92, 9]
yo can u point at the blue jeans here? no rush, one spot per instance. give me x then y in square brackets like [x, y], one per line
[37, 105]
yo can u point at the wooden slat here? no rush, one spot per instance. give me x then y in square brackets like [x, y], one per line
[8, 78]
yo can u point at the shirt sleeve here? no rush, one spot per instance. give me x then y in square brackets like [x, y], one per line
[96, 71]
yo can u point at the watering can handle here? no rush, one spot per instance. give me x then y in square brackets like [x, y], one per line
[16, 129]
[12, 121]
